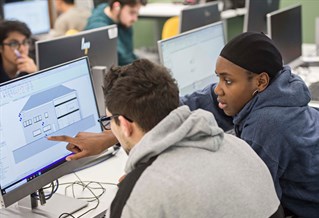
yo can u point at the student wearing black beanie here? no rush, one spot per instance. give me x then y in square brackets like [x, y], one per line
[267, 105]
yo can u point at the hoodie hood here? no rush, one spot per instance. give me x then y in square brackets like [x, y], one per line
[286, 90]
[181, 128]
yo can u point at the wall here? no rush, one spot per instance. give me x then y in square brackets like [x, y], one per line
[310, 10]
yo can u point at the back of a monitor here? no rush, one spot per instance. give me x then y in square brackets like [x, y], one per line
[255, 19]
[281, 24]
[200, 15]
[99, 44]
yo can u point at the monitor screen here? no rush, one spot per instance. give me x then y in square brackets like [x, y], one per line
[55, 101]
[35, 13]
[284, 28]
[99, 44]
[255, 19]
[191, 56]
[199, 15]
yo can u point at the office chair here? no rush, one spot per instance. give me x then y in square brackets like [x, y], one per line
[171, 27]
[71, 32]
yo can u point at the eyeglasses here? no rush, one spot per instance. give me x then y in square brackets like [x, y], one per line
[16, 45]
[106, 121]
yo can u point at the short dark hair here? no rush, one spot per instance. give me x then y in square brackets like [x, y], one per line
[8, 26]
[69, 2]
[127, 2]
[143, 92]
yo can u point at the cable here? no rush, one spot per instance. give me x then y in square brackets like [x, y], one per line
[47, 196]
[91, 186]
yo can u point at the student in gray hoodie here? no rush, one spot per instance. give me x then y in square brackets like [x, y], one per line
[180, 164]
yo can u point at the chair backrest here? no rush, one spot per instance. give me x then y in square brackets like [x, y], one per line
[71, 32]
[171, 27]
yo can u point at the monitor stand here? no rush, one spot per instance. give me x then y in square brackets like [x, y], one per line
[55, 206]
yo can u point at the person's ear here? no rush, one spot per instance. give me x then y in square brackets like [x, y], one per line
[126, 126]
[262, 81]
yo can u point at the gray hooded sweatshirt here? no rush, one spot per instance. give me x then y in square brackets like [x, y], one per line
[200, 172]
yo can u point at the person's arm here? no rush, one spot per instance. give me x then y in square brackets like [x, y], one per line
[207, 100]
[86, 144]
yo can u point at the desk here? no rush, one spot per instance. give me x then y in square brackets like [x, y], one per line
[309, 74]
[108, 171]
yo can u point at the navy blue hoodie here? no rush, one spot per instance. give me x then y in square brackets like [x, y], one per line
[284, 131]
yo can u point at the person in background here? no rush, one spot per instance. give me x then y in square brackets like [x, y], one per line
[15, 43]
[70, 18]
[180, 163]
[124, 13]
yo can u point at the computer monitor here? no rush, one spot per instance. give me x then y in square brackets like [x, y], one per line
[285, 29]
[255, 19]
[99, 44]
[199, 15]
[55, 101]
[35, 13]
[191, 56]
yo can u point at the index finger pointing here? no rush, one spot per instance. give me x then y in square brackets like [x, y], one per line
[62, 138]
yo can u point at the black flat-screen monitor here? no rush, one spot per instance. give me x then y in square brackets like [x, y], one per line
[55, 101]
[99, 44]
[285, 29]
[199, 15]
[191, 56]
[35, 13]
[255, 18]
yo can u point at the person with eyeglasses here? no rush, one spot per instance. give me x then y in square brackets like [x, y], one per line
[267, 106]
[180, 163]
[14, 50]
[123, 13]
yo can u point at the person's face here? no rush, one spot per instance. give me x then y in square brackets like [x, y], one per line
[128, 15]
[58, 5]
[235, 88]
[14, 41]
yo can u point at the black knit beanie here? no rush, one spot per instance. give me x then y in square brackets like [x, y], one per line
[254, 52]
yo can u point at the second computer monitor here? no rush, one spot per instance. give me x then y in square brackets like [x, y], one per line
[35, 13]
[99, 44]
[284, 28]
[191, 56]
[255, 19]
[200, 15]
